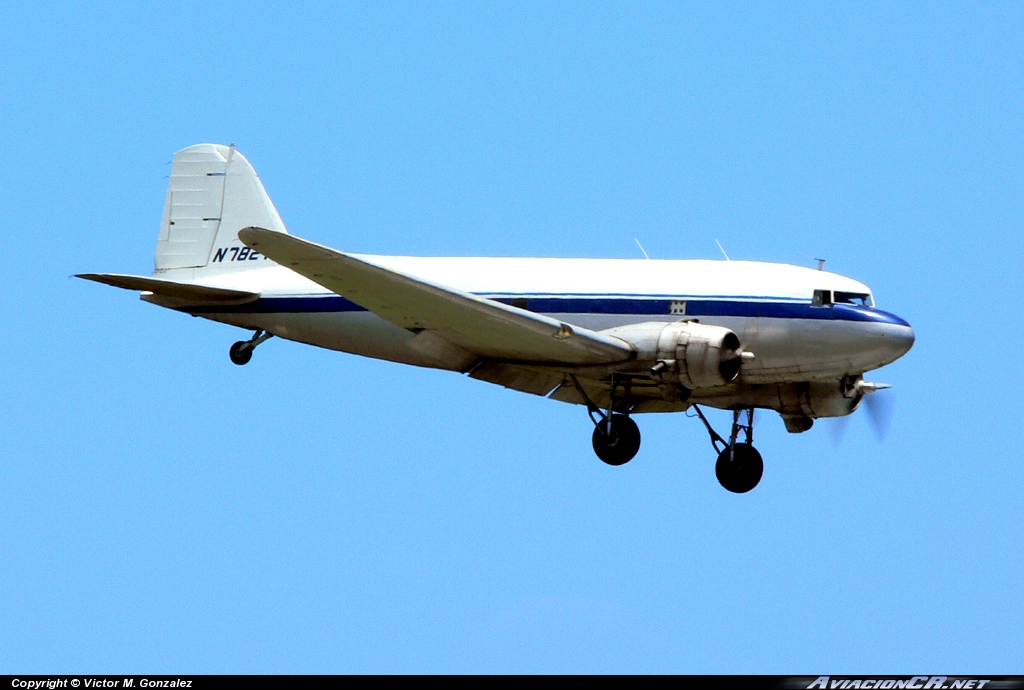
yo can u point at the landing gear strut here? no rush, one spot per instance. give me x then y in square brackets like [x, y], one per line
[241, 352]
[616, 437]
[739, 467]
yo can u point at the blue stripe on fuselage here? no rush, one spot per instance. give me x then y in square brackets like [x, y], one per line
[748, 307]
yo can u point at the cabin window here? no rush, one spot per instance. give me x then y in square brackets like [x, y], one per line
[822, 298]
[861, 299]
[520, 303]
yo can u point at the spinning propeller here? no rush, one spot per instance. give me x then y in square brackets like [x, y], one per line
[879, 412]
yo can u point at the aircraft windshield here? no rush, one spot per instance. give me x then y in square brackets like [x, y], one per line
[861, 299]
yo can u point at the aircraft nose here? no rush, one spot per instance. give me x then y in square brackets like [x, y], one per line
[904, 339]
[898, 339]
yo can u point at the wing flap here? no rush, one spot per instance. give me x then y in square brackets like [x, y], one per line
[186, 292]
[479, 325]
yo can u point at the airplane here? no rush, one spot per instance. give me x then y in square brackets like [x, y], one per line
[618, 336]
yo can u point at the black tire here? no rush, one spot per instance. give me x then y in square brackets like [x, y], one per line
[743, 472]
[621, 445]
[240, 353]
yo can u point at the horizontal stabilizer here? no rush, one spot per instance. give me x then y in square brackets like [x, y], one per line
[478, 325]
[187, 292]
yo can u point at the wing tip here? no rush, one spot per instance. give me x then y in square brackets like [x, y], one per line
[251, 235]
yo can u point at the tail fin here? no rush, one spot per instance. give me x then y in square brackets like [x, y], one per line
[214, 192]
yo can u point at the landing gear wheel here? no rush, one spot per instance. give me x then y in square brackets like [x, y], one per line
[621, 445]
[240, 353]
[742, 473]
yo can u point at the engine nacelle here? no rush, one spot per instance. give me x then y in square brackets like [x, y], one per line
[799, 403]
[816, 399]
[694, 354]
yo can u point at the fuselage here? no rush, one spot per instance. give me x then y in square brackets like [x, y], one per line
[801, 324]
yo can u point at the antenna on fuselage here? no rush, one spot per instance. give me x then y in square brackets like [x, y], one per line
[642, 248]
[723, 250]
[821, 263]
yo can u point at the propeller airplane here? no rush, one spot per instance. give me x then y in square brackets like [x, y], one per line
[619, 337]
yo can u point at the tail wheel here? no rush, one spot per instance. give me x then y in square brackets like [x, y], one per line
[240, 353]
[620, 445]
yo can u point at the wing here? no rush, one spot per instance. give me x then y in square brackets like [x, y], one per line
[481, 326]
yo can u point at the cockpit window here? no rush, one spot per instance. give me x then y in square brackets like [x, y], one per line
[822, 298]
[861, 299]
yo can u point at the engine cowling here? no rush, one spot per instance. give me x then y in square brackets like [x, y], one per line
[697, 355]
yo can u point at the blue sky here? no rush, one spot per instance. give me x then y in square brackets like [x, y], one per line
[162, 510]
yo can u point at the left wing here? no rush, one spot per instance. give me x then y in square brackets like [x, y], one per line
[479, 325]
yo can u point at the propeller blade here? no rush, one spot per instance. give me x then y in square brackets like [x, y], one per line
[837, 429]
[880, 409]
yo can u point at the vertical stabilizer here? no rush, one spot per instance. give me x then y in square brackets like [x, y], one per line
[213, 193]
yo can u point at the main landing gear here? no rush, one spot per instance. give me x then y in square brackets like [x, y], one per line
[241, 352]
[739, 467]
[616, 436]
